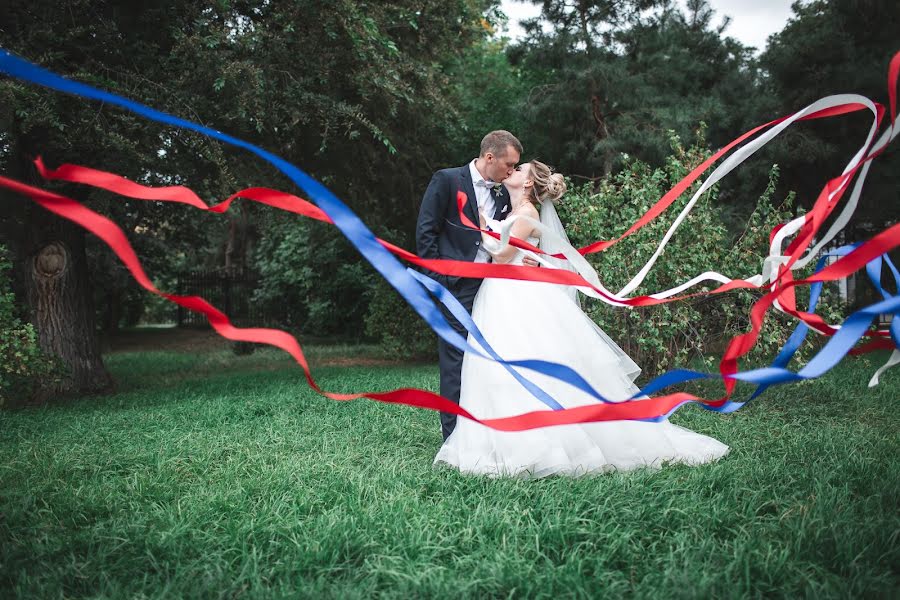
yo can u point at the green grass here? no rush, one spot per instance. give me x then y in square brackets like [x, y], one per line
[209, 475]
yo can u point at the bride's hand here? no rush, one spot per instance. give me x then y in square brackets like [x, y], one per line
[530, 262]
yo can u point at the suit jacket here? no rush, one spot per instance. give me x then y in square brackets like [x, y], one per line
[439, 230]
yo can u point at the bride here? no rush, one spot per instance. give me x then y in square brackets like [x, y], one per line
[535, 320]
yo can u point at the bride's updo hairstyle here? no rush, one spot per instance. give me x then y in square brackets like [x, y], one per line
[547, 184]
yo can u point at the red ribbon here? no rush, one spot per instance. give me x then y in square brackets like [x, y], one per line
[115, 238]
[739, 346]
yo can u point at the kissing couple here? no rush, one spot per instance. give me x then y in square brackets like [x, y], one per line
[529, 320]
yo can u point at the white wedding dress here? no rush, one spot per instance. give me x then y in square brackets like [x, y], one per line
[533, 320]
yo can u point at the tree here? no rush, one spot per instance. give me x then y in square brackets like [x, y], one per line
[354, 92]
[569, 69]
[613, 77]
[101, 42]
[830, 47]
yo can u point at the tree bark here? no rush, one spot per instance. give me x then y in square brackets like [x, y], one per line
[582, 13]
[61, 305]
[602, 132]
[50, 266]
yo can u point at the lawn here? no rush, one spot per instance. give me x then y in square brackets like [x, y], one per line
[213, 475]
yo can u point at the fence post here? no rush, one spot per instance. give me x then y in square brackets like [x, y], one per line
[226, 284]
[179, 289]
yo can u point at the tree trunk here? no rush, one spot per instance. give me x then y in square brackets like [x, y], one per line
[113, 311]
[582, 10]
[51, 265]
[602, 133]
[61, 305]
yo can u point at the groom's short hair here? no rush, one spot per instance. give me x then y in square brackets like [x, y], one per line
[496, 142]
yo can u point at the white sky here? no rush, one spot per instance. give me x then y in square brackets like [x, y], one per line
[752, 21]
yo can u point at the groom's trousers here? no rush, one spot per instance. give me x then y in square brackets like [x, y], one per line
[450, 358]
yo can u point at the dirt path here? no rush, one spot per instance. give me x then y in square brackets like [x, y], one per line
[165, 338]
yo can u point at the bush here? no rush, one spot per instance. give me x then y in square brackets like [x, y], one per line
[312, 277]
[397, 328]
[22, 363]
[665, 336]
[661, 337]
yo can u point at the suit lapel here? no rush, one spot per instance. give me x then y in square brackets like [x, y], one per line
[501, 205]
[465, 185]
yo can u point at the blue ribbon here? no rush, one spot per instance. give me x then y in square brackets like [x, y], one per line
[873, 270]
[344, 218]
[799, 334]
[412, 286]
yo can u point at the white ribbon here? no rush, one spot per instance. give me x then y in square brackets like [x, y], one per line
[893, 360]
[772, 262]
[775, 258]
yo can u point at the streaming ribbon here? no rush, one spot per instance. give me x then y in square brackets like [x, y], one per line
[873, 270]
[290, 203]
[123, 186]
[649, 409]
[377, 253]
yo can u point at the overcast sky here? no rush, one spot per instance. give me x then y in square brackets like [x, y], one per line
[752, 21]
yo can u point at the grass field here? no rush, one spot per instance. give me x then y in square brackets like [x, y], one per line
[211, 475]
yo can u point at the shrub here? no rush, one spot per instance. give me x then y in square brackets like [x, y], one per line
[397, 328]
[311, 276]
[22, 363]
[663, 336]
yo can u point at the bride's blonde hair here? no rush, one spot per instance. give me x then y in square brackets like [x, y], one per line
[547, 184]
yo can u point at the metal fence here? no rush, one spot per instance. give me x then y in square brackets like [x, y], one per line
[857, 290]
[231, 291]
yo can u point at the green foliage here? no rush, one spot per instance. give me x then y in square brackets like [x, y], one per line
[21, 360]
[400, 332]
[127, 50]
[355, 93]
[668, 335]
[312, 276]
[613, 77]
[371, 98]
[831, 47]
[205, 477]
[489, 92]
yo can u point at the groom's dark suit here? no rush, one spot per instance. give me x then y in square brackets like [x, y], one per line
[441, 234]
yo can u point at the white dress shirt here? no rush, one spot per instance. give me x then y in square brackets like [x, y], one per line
[485, 199]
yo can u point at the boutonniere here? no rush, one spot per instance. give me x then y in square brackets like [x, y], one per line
[498, 189]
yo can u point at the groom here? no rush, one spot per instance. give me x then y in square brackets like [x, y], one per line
[441, 234]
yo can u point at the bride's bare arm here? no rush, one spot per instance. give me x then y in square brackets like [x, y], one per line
[521, 229]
